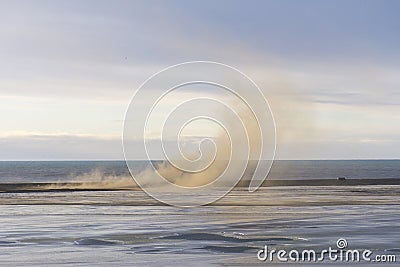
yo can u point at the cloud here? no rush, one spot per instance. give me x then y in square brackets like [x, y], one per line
[329, 72]
[63, 146]
[59, 147]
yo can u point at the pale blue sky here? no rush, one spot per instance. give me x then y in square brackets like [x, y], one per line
[329, 68]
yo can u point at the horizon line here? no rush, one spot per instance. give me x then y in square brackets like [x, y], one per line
[305, 159]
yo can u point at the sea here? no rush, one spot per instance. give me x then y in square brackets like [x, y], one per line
[129, 228]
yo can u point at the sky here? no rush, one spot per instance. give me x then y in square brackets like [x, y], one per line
[329, 70]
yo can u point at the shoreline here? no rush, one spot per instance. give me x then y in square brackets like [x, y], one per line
[99, 186]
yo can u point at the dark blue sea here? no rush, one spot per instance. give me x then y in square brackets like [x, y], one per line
[58, 171]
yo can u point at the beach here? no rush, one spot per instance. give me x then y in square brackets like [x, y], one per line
[110, 228]
[49, 217]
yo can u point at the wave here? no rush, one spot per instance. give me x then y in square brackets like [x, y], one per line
[221, 237]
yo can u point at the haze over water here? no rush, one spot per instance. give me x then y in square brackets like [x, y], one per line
[306, 79]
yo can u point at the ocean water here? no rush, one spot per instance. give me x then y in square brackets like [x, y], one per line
[63, 171]
[128, 228]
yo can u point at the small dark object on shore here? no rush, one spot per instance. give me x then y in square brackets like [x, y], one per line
[341, 178]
